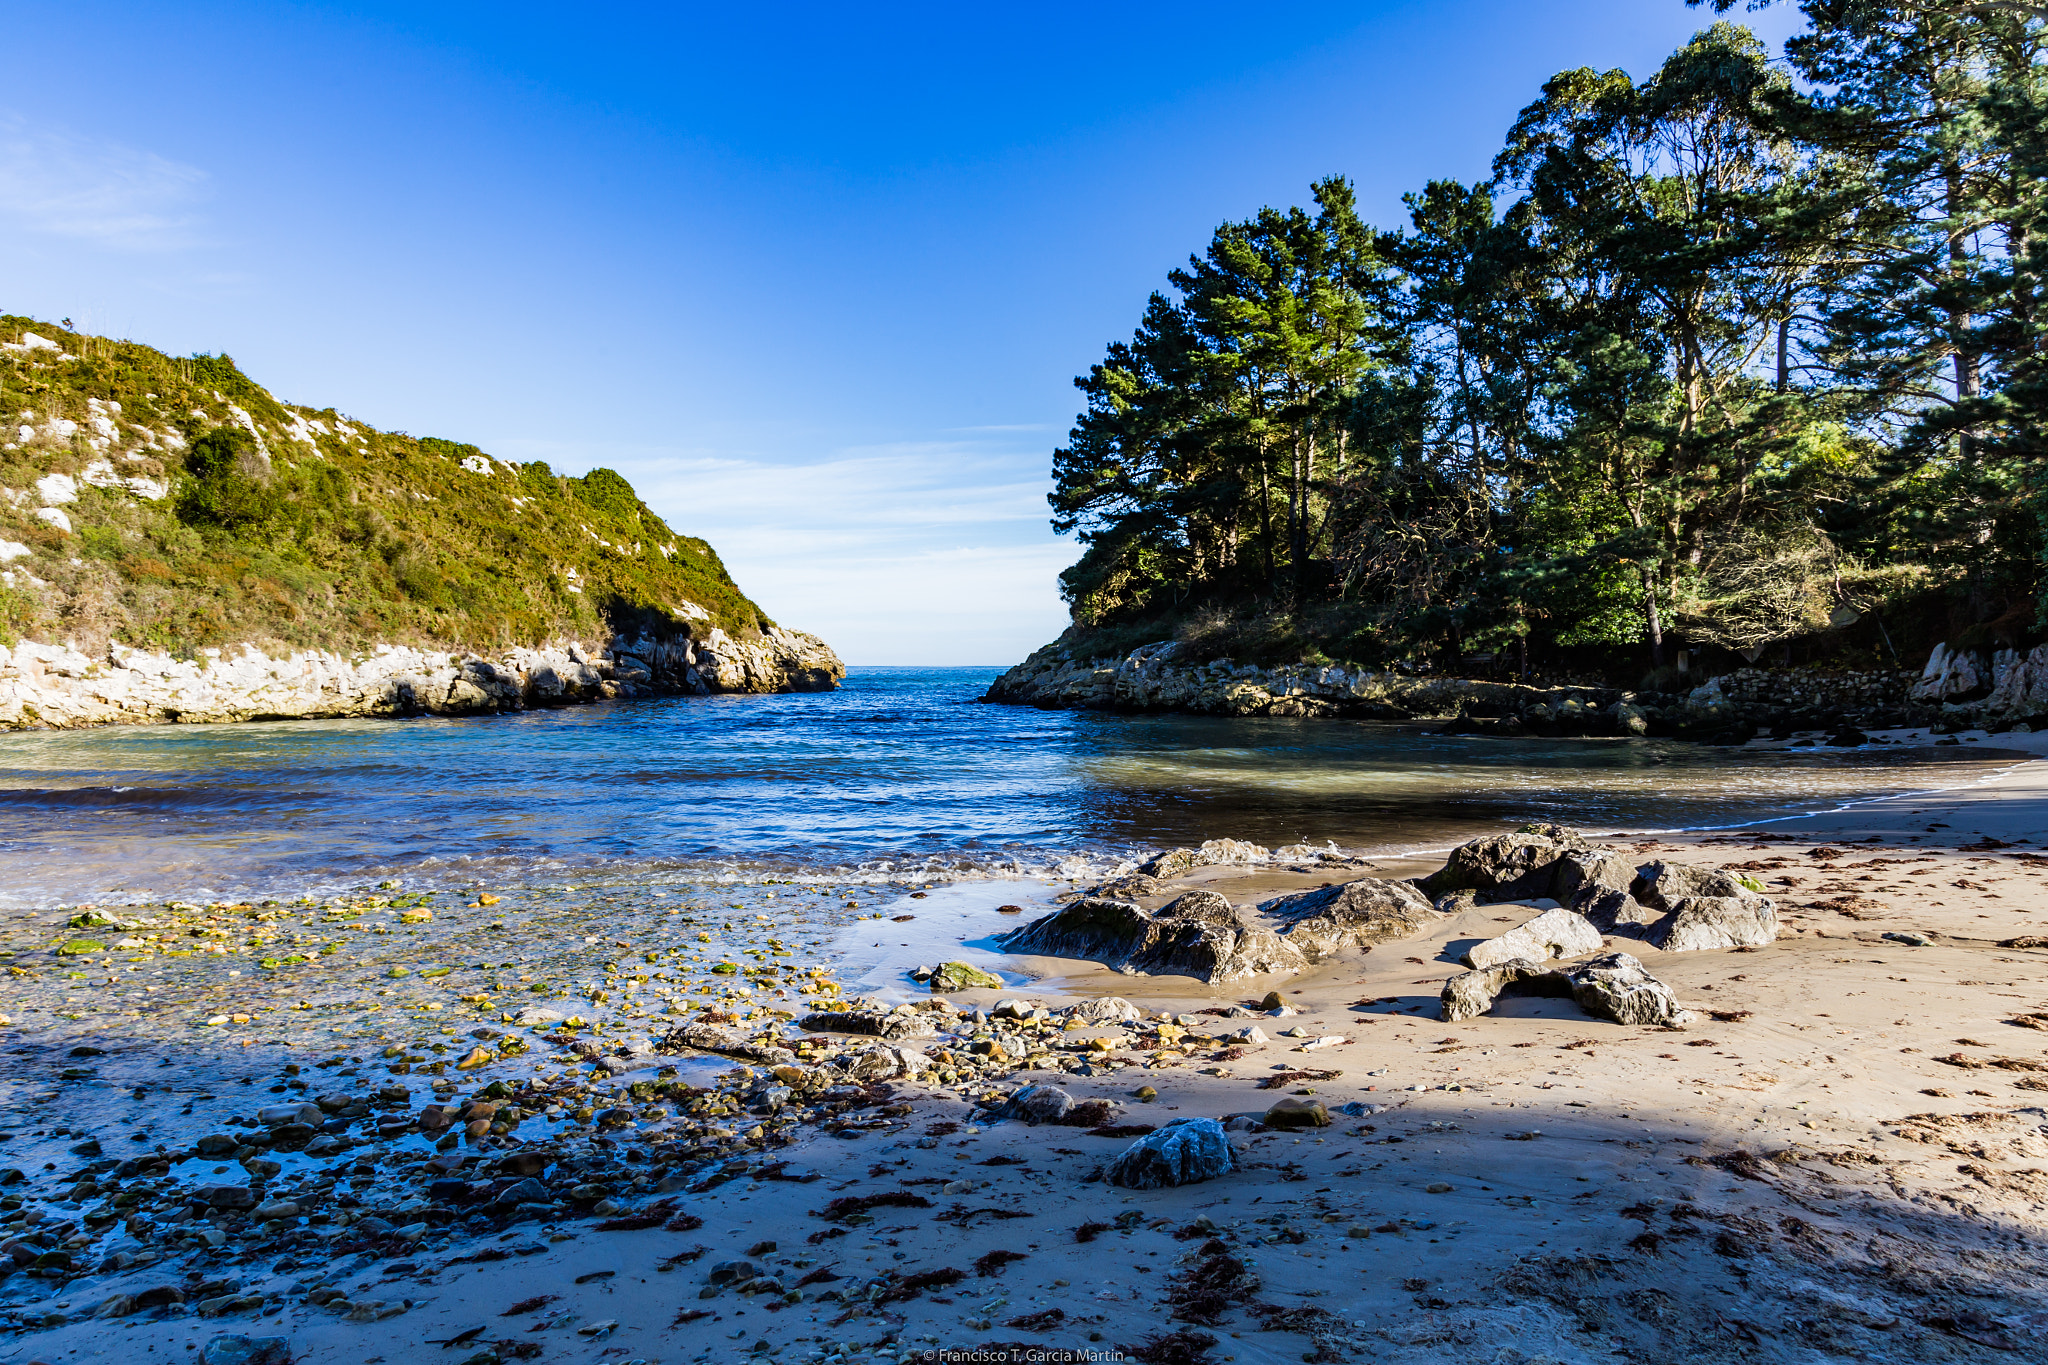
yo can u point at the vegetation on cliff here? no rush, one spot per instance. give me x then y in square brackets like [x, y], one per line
[1736, 355]
[172, 502]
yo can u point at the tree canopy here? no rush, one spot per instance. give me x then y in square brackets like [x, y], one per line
[1730, 353]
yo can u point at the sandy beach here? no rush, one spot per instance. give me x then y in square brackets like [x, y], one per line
[1839, 1157]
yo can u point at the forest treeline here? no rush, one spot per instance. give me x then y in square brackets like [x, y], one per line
[1734, 355]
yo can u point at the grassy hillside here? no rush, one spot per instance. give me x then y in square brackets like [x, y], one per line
[171, 502]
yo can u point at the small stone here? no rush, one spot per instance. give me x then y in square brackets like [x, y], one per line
[240, 1350]
[761, 1249]
[1438, 1188]
[474, 1058]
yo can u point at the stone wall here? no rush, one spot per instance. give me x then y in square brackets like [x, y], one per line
[56, 686]
[1873, 699]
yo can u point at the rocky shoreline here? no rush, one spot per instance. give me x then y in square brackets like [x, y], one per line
[325, 1131]
[1956, 690]
[60, 687]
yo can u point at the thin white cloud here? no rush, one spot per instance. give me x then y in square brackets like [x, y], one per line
[917, 552]
[63, 184]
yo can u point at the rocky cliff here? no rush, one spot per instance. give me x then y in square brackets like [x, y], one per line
[1956, 690]
[1157, 677]
[60, 687]
[206, 550]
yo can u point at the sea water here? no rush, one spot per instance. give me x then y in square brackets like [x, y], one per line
[899, 774]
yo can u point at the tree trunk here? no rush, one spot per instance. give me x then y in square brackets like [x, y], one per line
[1655, 618]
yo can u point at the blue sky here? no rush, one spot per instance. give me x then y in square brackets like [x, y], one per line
[817, 279]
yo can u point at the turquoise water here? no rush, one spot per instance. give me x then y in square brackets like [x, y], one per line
[899, 772]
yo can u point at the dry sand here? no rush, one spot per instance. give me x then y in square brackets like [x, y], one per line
[1844, 1158]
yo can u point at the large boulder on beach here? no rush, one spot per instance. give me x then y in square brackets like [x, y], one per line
[1582, 872]
[1094, 928]
[885, 1024]
[1698, 923]
[725, 1042]
[1356, 914]
[1616, 912]
[1471, 994]
[1705, 908]
[1505, 866]
[1184, 1152]
[1615, 987]
[1554, 933]
[1200, 934]
[1661, 885]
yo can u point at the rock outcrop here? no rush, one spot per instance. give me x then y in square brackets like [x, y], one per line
[1964, 687]
[1201, 934]
[1611, 987]
[62, 688]
[1157, 677]
[1506, 866]
[1673, 906]
[1355, 914]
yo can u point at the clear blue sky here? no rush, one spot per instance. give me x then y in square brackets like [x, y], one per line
[815, 278]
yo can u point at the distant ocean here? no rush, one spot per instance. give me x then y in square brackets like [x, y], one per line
[898, 773]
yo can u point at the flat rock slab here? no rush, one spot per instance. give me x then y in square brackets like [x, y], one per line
[1554, 933]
